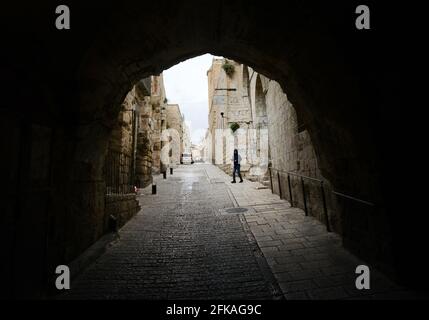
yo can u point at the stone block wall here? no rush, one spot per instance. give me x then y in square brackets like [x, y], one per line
[175, 133]
[277, 138]
[143, 160]
[122, 136]
[156, 135]
[144, 152]
[291, 150]
[122, 207]
[228, 94]
[134, 150]
[158, 102]
[186, 138]
[119, 202]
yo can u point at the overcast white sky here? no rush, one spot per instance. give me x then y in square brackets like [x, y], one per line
[186, 84]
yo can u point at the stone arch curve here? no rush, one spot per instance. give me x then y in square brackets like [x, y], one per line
[245, 81]
[260, 105]
[261, 124]
[118, 58]
[319, 78]
[309, 50]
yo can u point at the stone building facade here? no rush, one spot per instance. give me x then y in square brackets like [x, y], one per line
[271, 138]
[145, 134]
[158, 100]
[197, 151]
[175, 134]
[290, 150]
[227, 106]
[120, 201]
[186, 138]
[291, 156]
[206, 146]
[57, 131]
[134, 151]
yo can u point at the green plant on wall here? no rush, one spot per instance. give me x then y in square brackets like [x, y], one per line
[228, 68]
[234, 126]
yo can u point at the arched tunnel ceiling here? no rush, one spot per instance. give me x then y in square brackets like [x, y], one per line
[339, 79]
[311, 48]
[300, 47]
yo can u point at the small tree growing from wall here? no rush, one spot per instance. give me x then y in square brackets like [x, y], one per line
[228, 68]
[234, 126]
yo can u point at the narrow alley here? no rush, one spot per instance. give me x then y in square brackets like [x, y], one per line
[201, 237]
[124, 131]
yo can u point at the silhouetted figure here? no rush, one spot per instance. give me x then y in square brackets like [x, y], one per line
[236, 158]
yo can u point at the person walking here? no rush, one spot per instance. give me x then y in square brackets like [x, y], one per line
[236, 159]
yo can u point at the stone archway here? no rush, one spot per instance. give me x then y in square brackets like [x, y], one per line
[318, 80]
[113, 46]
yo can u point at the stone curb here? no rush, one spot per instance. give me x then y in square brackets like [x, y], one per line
[91, 254]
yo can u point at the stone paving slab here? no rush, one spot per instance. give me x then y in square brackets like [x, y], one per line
[307, 261]
[179, 247]
[184, 245]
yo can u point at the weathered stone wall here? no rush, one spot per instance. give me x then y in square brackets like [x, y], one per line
[144, 153]
[186, 138]
[175, 133]
[137, 136]
[122, 136]
[226, 96]
[120, 199]
[158, 101]
[197, 152]
[271, 135]
[348, 97]
[291, 150]
[122, 207]
[259, 152]
[145, 140]
[214, 118]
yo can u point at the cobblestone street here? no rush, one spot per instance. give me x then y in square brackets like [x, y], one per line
[185, 243]
[179, 246]
[223, 150]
